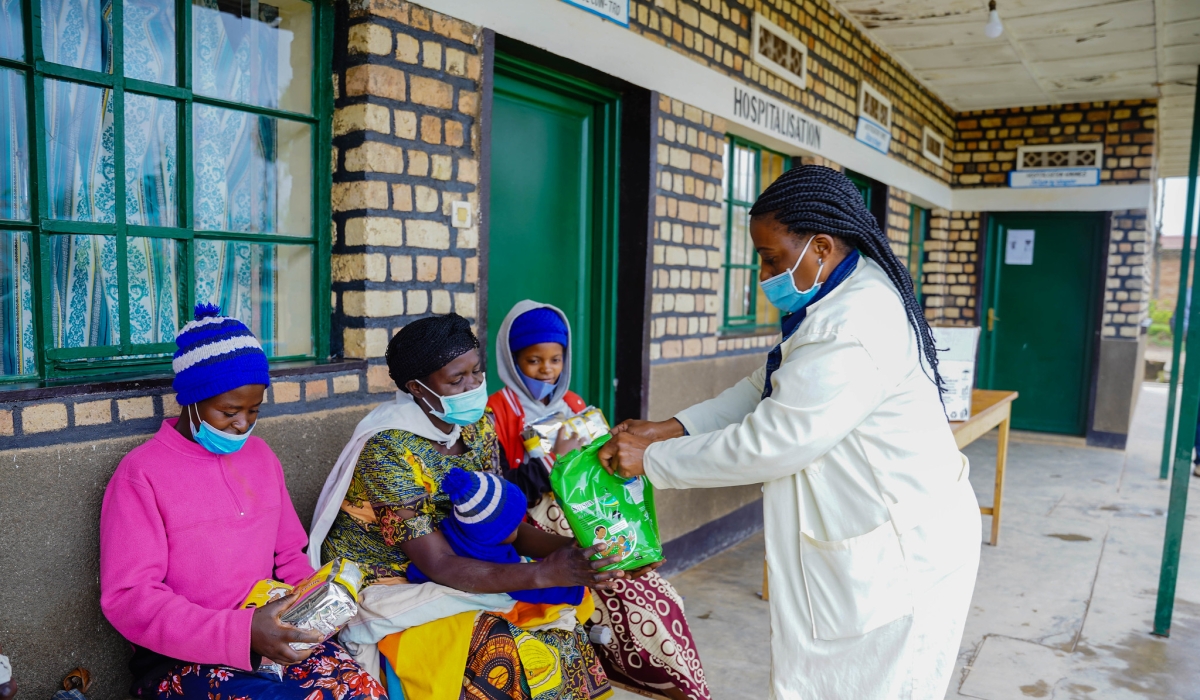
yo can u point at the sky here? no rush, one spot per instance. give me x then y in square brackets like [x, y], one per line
[1175, 195]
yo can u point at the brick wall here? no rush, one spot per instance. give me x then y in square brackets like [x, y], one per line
[1127, 283]
[717, 34]
[899, 223]
[405, 147]
[689, 225]
[988, 139]
[951, 268]
[35, 417]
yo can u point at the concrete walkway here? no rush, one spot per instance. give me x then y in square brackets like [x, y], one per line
[1063, 606]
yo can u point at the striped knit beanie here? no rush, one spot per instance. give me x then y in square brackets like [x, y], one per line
[486, 507]
[216, 354]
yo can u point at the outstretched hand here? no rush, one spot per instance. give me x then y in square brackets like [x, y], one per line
[622, 455]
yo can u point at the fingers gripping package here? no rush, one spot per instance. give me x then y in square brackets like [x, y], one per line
[324, 601]
[539, 437]
[604, 508]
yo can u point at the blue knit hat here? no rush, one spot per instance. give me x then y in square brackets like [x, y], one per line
[541, 325]
[216, 354]
[486, 507]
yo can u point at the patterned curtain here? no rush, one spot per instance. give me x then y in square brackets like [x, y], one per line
[16, 305]
[236, 179]
[236, 184]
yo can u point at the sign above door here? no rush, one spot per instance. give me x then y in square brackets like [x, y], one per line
[615, 10]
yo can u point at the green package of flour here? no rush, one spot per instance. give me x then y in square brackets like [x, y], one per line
[601, 507]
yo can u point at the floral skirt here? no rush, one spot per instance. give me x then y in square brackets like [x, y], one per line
[652, 645]
[329, 674]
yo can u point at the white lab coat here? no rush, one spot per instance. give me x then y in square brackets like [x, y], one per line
[872, 529]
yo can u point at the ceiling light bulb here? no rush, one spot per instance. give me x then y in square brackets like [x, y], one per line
[993, 28]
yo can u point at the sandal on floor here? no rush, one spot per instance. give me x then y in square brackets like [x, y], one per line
[78, 679]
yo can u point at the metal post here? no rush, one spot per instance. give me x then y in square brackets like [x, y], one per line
[1184, 260]
[1188, 410]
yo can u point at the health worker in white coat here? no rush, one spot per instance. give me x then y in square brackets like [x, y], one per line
[872, 529]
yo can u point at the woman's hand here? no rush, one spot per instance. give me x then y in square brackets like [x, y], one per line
[573, 566]
[270, 637]
[638, 573]
[655, 431]
[565, 443]
[622, 455]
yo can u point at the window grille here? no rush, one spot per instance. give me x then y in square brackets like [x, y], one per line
[779, 51]
[749, 169]
[1067, 155]
[933, 145]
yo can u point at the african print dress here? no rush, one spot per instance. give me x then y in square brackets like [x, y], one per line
[401, 471]
[652, 644]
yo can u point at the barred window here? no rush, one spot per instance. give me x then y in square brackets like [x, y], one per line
[749, 169]
[160, 153]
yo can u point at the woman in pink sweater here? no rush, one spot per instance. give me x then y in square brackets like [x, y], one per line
[191, 520]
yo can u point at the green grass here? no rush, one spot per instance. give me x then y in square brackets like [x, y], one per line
[1160, 323]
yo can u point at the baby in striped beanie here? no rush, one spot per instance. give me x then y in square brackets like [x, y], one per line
[487, 512]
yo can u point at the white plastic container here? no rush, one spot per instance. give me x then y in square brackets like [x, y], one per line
[956, 363]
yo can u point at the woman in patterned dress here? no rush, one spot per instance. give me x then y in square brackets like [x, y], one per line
[652, 645]
[388, 512]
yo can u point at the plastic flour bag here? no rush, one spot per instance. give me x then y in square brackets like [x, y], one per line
[601, 507]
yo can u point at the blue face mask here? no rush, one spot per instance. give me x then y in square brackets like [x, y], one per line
[781, 290]
[539, 389]
[216, 441]
[461, 409]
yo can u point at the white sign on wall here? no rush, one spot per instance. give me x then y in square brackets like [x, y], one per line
[777, 118]
[874, 118]
[1018, 248]
[1055, 177]
[615, 10]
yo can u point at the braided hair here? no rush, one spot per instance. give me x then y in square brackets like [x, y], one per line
[814, 199]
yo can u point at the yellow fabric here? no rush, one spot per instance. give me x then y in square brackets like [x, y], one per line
[541, 663]
[425, 675]
[530, 615]
[437, 676]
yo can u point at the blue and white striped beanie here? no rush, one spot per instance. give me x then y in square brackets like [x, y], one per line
[216, 354]
[486, 507]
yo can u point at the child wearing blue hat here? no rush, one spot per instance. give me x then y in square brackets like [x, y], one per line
[533, 358]
[192, 519]
[483, 525]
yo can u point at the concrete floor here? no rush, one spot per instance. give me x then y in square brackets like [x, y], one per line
[1062, 607]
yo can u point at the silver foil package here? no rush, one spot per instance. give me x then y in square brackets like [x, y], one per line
[540, 436]
[325, 610]
[326, 600]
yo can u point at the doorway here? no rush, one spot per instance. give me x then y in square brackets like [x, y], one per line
[1042, 288]
[553, 207]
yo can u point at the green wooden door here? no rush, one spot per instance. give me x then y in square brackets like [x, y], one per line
[1040, 304]
[552, 235]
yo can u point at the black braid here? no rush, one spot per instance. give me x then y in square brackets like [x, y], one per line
[815, 199]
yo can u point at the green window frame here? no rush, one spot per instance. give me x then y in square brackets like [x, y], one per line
[306, 219]
[918, 229]
[749, 169]
[865, 188]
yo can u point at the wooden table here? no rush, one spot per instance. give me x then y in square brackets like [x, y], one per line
[989, 409]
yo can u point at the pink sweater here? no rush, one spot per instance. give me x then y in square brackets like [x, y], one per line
[184, 535]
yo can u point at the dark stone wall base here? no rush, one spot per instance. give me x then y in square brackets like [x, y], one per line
[686, 551]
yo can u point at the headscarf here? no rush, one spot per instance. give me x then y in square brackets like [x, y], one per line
[510, 374]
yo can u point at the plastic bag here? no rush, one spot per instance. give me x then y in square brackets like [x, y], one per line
[601, 507]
